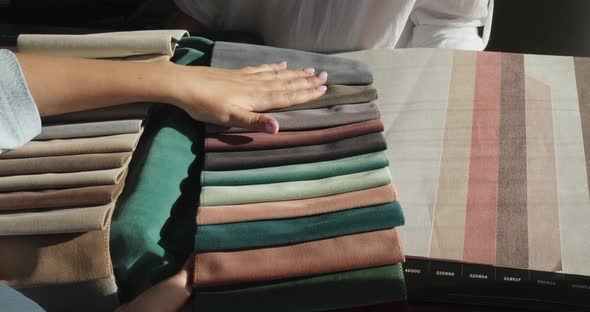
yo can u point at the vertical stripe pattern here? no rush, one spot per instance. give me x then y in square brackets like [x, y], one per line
[449, 211]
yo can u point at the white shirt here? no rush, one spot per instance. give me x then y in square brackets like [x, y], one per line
[348, 25]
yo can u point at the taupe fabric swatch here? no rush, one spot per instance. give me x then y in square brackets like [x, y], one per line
[35, 260]
[90, 129]
[310, 119]
[82, 196]
[296, 208]
[107, 144]
[90, 296]
[49, 181]
[338, 95]
[69, 220]
[103, 45]
[61, 164]
[128, 111]
[338, 254]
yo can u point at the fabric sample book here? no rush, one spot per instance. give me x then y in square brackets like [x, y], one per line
[299, 172]
[217, 195]
[310, 119]
[341, 71]
[331, 255]
[262, 141]
[90, 129]
[221, 161]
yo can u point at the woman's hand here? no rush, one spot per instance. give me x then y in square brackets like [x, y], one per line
[232, 97]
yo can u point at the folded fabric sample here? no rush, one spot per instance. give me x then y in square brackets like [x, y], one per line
[90, 129]
[49, 181]
[299, 172]
[219, 161]
[106, 144]
[311, 119]
[296, 208]
[70, 220]
[323, 292]
[311, 258]
[103, 45]
[338, 95]
[244, 194]
[62, 164]
[128, 111]
[340, 70]
[93, 296]
[261, 141]
[269, 233]
[81, 196]
[34, 260]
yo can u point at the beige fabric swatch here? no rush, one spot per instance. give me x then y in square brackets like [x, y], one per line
[127, 111]
[106, 144]
[103, 45]
[61, 180]
[61, 164]
[70, 220]
[89, 129]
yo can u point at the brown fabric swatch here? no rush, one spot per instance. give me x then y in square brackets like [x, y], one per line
[129, 111]
[62, 164]
[48, 181]
[31, 260]
[311, 258]
[338, 95]
[82, 196]
[261, 141]
[106, 144]
[296, 208]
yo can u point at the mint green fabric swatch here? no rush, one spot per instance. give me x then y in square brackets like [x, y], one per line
[268, 233]
[232, 195]
[299, 172]
[319, 293]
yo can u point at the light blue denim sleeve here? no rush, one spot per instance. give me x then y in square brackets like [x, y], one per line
[19, 118]
[13, 301]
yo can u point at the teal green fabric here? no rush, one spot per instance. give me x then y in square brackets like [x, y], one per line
[300, 172]
[268, 233]
[319, 293]
[232, 195]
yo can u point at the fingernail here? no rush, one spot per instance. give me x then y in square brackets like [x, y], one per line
[322, 88]
[309, 71]
[323, 75]
[270, 127]
[283, 64]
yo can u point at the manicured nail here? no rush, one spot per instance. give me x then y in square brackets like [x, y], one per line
[323, 75]
[322, 88]
[283, 64]
[309, 71]
[270, 127]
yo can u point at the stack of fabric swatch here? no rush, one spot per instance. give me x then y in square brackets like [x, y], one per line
[57, 195]
[304, 220]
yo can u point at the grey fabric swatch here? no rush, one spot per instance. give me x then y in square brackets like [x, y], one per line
[338, 95]
[128, 111]
[310, 119]
[89, 296]
[294, 155]
[340, 70]
[90, 129]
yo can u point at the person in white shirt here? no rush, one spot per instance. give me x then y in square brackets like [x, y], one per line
[330, 26]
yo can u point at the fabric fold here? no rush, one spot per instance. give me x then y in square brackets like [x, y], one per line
[127, 111]
[299, 172]
[338, 254]
[269, 233]
[90, 129]
[317, 293]
[264, 141]
[69, 220]
[103, 45]
[63, 164]
[107, 144]
[340, 70]
[50, 181]
[218, 195]
[311, 119]
[220, 161]
[296, 208]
